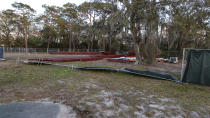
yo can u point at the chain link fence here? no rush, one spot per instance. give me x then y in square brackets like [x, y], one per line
[22, 53]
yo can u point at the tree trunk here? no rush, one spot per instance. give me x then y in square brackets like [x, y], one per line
[7, 41]
[70, 40]
[137, 52]
[136, 38]
[136, 42]
[26, 40]
[110, 43]
[73, 44]
[48, 42]
[88, 47]
[104, 44]
[92, 44]
[92, 41]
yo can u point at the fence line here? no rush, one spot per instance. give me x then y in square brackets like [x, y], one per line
[47, 50]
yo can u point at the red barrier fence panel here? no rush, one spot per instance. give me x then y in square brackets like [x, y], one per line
[61, 59]
[94, 56]
[75, 53]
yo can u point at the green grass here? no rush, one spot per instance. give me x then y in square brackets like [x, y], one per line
[19, 82]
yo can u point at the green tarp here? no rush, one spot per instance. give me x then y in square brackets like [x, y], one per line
[197, 70]
[125, 70]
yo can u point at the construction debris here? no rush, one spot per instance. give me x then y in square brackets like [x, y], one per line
[170, 60]
[123, 59]
[124, 70]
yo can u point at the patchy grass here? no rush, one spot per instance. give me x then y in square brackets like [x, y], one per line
[102, 94]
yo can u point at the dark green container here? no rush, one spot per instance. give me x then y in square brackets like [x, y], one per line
[1, 52]
[198, 67]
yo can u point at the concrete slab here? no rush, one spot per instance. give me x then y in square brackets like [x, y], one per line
[33, 110]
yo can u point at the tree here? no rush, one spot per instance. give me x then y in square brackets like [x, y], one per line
[49, 19]
[188, 26]
[145, 26]
[102, 12]
[24, 18]
[70, 16]
[143, 21]
[88, 16]
[7, 24]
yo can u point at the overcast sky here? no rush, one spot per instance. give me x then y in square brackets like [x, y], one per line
[37, 4]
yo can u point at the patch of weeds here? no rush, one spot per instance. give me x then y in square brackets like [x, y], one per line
[149, 114]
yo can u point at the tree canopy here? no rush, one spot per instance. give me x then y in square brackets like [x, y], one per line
[147, 27]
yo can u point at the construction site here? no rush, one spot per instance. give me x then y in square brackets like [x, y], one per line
[96, 84]
[105, 59]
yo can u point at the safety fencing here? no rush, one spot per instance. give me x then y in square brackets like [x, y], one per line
[47, 50]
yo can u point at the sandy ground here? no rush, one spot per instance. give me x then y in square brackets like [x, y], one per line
[113, 104]
[85, 94]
